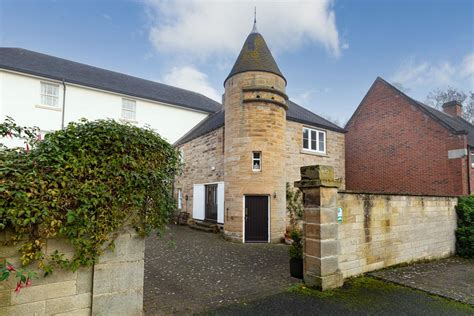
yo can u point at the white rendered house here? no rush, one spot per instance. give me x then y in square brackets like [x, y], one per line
[48, 92]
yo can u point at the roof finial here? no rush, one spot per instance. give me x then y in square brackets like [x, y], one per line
[254, 30]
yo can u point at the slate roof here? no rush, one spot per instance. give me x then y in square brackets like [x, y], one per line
[456, 125]
[295, 113]
[26, 61]
[255, 56]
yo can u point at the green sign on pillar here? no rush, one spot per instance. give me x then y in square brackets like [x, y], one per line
[339, 215]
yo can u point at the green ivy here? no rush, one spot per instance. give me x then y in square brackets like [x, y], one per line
[83, 184]
[465, 230]
[294, 206]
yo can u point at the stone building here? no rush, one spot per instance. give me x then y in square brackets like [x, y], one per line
[396, 144]
[238, 160]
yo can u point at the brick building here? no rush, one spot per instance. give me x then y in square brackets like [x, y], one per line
[238, 160]
[396, 144]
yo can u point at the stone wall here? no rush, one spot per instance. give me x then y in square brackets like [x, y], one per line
[114, 286]
[375, 231]
[203, 163]
[383, 230]
[296, 157]
[255, 120]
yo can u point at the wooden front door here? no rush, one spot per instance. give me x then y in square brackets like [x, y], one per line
[256, 218]
[211, 202]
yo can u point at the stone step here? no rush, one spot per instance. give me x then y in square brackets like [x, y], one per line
[206, 224]
[203, 228]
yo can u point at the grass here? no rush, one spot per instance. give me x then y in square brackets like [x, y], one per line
[368, 294]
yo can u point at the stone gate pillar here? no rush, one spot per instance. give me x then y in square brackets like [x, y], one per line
[320, 243]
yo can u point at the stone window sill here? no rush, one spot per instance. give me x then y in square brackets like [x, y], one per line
[48, 107]
[313, 153]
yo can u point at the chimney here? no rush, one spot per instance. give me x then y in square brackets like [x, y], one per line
[453, 108]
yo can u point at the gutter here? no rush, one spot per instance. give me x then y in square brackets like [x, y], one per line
[64, 104]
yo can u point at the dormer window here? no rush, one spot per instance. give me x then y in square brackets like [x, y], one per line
[257, 161]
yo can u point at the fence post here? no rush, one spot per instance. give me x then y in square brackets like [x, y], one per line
[320, 243]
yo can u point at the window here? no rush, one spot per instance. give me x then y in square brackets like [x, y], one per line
[181, 154]
[129, 108]
[256, 161]
[472, 160]
[49, 94]
[180, 199]
[314, 140]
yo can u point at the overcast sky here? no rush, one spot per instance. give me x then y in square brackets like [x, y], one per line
[329, 51]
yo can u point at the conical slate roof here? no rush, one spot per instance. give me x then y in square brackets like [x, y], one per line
[255, 56]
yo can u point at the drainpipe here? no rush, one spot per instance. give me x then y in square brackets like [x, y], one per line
[469, 163]
[64, 104]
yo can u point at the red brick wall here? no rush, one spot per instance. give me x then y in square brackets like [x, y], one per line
[392, 146]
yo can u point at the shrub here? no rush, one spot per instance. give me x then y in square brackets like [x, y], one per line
[296, 247]
[465, 230]
[83, 184]
[294, 206]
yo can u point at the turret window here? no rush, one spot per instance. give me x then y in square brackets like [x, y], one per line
[257, 161]
[314, 140]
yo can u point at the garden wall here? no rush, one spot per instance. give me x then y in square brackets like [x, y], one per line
[114, 286]
[347, 233]
[383, 230]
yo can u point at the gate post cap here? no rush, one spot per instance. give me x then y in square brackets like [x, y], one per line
[317, 176]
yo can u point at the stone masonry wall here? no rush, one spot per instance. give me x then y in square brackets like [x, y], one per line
[203, 163]
[254, 123]
[114, 286]
[296, 157]
[382, 230]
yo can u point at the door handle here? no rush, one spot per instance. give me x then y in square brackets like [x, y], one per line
[246, 213]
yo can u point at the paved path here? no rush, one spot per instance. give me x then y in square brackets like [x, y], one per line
[189, 271]
[451, 277]
[362, 296]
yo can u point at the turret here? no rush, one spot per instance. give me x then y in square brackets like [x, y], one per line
[254, 154]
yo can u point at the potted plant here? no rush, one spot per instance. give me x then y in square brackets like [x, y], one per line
[296, 254]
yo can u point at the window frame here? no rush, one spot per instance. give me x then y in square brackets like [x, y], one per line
[134, 112]
[180, 199]
[317, 131]
[44, 96]
[259, 159]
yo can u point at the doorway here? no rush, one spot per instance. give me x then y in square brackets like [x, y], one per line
[211, 202]
[256, 218]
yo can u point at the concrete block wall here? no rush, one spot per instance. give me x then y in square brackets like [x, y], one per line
[383, 230]
[113, 286]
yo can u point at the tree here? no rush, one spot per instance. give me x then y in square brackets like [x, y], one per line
[438, 97]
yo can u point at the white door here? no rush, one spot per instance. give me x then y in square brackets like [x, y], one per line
[198, 202]
[220, 202]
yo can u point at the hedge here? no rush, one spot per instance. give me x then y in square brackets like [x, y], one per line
[465, 230]
[82, 184]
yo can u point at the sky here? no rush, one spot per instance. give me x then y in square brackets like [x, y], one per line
[329, 51]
